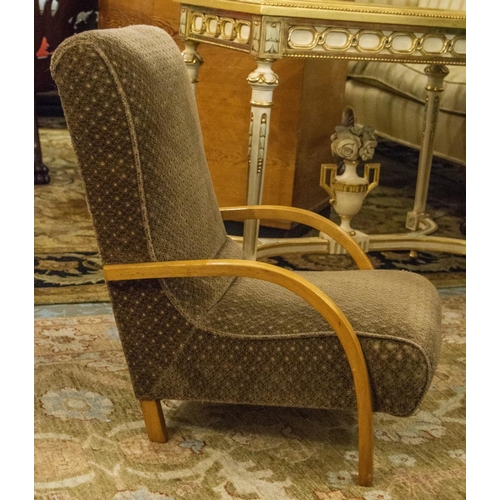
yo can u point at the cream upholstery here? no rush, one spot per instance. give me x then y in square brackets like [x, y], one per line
[426, 4]
[395, 3]
[443, 4]
[391, 98]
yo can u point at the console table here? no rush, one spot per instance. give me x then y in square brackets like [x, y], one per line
[362, 30]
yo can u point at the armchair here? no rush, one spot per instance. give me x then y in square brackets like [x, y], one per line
[196, 321]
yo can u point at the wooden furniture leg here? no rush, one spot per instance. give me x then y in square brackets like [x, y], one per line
[154, 420]
[41, 170]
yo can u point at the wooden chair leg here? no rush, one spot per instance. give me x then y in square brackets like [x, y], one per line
[365, 435]
[154, 420]
[365, 448]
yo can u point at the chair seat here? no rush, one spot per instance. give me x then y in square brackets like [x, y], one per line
[255, 355]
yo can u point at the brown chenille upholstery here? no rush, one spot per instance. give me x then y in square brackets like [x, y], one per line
[133, 121]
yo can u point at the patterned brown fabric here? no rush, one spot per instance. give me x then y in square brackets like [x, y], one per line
[134, 127]
[132, 117]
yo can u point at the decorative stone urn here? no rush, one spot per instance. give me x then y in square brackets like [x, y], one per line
[348, 190]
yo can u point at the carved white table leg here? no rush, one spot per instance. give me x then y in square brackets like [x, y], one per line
[417, 218]
[193, 60]
[263, 82]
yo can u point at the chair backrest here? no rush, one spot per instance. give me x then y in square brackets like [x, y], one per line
[133, 121]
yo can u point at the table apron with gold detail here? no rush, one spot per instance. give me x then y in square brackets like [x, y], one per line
[269, 30]
[272, 37]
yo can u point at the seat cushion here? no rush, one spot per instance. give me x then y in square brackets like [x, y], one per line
[261, 344]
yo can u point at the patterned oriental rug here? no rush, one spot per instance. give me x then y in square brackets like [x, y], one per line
[68, 268]
[90, 440]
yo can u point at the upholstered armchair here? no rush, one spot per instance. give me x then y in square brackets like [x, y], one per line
[196, 321]
[391, 97]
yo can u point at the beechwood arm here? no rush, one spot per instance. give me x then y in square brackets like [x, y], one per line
[300, 216]
[301, 287]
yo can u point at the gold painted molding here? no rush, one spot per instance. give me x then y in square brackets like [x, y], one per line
[343, 57]
[215, 26]
[385, 41]
[297, 33]
[340, 10]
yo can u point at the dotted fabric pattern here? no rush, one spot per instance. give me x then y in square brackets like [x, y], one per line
[134, 126]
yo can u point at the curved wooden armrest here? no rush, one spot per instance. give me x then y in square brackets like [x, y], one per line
[301, 287]
[301, 216]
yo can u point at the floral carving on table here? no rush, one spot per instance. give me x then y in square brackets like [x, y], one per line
[271, 45]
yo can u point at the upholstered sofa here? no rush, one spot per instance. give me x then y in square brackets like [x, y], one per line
[391, 97]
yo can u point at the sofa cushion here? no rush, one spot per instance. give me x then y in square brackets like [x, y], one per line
[284, 340]
[425, 4]
[443, 4]
[401, 120]
[410, 80]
